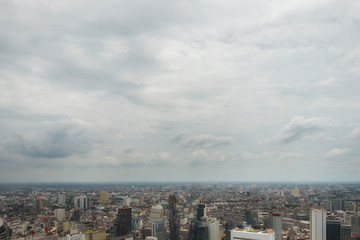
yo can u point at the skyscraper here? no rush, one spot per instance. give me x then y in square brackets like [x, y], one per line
[174, 220]
[201, 211]
[213, 229]
[332, 230]
[159, 230]
[122, 223]
[81, 202]
[345, 232]
[277, 225]
[61, 199]
[317, 224]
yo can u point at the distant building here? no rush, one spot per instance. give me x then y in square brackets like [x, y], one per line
[335, 204]
[201, 211]
[237, 234]
[333, 230]
[174, 220]
[81, 202]
[317, 224]
[355, 225]
[62, 200]
[151, 238]
[104, 197]
[59, 214]
[122, 223]
[277, 225]
[213, 228]
[156, 214]
[345, 232]
[158, 230]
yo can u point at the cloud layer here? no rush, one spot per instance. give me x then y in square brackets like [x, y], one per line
[173, 91]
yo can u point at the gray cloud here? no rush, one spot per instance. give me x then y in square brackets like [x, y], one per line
[189, 140]
[59, 139]
[300, 127]
[136, 73]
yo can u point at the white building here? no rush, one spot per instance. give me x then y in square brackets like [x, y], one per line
[213, 229]
[156, 214]
[317, 224]
[59, 214]
[237, 234]
[277, 225]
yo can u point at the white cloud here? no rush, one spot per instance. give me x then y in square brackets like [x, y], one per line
[355, 134]
[189, 140]
[336, 152]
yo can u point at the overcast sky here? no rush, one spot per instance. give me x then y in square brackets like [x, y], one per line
[162, 90]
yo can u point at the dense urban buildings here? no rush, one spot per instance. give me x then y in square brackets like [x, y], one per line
[183, 211]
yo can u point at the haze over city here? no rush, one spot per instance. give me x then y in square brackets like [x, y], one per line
[99, 91]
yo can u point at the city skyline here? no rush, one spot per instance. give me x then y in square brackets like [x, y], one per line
[190, 91]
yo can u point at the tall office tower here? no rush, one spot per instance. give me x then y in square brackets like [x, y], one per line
[201, 211]
[62, 199]
[122, 223]
[355, 225]
[202, 232]
[104, 197]
[158, 230]
[277, 225]
[213, 229]
[317, 224]
[174, 220]
[39, 204]
[5, 232]
[345, 232]
[156, 214]
[81, 202]
[333, 230]
[335, 204]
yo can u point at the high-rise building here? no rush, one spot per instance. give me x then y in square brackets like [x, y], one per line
[277, 225]
[213, 229]
[355, 225]
[201, 211]
[5, 232]
[156, 214]
[202, 232]
[317, 224]
[104, 197]
[81, 202]
[158, 230]
[335, 204]
[345, 232]
[122, 223]
[251, 235]
[59, 214]
[174, 220]
[333, 230]
[62, 199]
